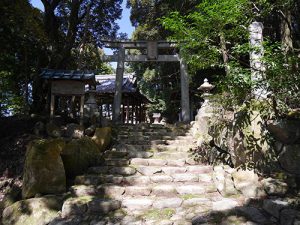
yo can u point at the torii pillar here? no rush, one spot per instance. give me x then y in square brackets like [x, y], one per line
[118, 88]
[151, 56]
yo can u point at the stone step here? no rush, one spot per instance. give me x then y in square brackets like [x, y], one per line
[171, 155]
[142, 137]
[90, 205]
[171, 170]
[112, 170]
[93, 179]
[127, 147]
[116, 162]
[115, 154]
[155, 190]
[157, 162]
[142, 142]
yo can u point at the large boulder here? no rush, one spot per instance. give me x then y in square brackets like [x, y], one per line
[44, 170]
[53, 130]
[102, 137]
[32, 211]
[78, 155]
[289, 158]
[74, 130]
[247, 182]
[285, 131]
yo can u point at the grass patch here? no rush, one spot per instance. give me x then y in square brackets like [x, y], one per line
[190, 196]
[159, 214]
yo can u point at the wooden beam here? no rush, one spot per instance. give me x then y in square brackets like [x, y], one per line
[138, 44]
[141, 58]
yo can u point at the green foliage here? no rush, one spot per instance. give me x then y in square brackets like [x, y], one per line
[200, 30]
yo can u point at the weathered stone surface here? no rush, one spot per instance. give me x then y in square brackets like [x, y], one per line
[288, 216]
[136, 180]
[199, 169]
[112, 190]
[140, 154]
[103, 206]
[139, 161]
[205, 177]
[190, 189]
[167, 203]
[169, 170]
[11, 196]
[116, 162]
[191, 161]
[138, 190]
[161, 178]
[44, 171]
[285, 131]
[252, 213]
[90, 131]
[274, 206]
[164, 190]
[32, 211]
[99, 169]
[289, 158]
[205, 202]
[137, 203]
[74, 130]
[115, 154]
[144, 170]
[75, 206]
[157, 162]
[83, 190]
[126, 171]
[185, 177]
[53, 130]
[176, 162]
[225, 204]
[247, 182]
[274, 187]
[102, 137]
[78, 155]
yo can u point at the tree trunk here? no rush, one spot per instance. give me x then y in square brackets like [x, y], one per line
[224, 53]
[286, 32]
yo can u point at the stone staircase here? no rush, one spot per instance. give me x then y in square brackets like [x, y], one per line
[148, 177]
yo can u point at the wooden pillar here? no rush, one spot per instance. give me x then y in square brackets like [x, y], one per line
[185, 97]
[52, 103]
[118, 87]
[81, 109]
[127, 111]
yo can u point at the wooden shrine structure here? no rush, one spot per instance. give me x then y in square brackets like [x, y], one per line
[133, 105]
[152, 49]
[68, 83]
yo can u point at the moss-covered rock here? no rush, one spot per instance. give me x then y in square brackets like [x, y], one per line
[102, 137]
[78, 155]
[44, 170]
[32, 211]
[53, 130]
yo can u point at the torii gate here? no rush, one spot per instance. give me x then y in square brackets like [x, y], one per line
[152, 48]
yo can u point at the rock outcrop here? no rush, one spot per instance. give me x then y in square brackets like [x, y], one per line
[78, 155]
[44, 170]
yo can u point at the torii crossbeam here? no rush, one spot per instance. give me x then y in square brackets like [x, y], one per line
[152, 55]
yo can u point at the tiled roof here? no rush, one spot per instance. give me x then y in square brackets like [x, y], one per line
[106, 83]
[68, 75]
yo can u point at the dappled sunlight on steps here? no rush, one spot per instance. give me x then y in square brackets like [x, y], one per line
[148, 177]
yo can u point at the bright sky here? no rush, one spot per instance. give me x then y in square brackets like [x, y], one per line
[124, 22]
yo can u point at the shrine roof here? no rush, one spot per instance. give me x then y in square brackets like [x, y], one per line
[106, 83]
[67, 75]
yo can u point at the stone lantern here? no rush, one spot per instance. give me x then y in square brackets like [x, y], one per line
[206, 87]
[91, 104]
